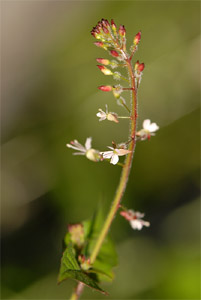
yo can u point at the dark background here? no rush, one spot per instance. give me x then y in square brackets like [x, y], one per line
[50, 96]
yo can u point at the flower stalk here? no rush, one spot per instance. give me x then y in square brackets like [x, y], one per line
[113, 40]
[126, 169]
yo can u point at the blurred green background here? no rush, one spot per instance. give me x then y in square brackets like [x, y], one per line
[50, 96]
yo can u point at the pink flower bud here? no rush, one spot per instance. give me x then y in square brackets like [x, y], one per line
[125, 214]
[103, 61]
[122, 30]
[105, 70]
[114, 53]
[137, 38]
[101, 45]
[105, 88]
[105, 30]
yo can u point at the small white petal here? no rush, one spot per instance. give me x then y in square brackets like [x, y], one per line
[76, 148]
[107, 154]
[78, 145]
[146, 124]
[139, 215]
[153, 127]
[122, 152]
[88, 143]
[78, 153]
[136, 224]
[102, 119]
[114, 159]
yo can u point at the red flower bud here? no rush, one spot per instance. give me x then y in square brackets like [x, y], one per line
[105, 23]
[105, 88]
[122, 30]
[103, 61]
[114, 53]
[137, 38]
[141, 67]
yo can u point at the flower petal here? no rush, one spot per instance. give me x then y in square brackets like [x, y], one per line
[88, 143]
[153, 127]
[122, 152]
[78, 145]
[146, 124]
[107, 154]
[136, 224]
[76, 148]
[114, 159]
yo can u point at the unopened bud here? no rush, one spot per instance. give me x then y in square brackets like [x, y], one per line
[122, 30]
[105, 70]
[103, 61]
[113, 25]
[76, 234]
[114, 53]
[105, 30]
[141, 67]
[101, 45]
[137, 38]
[105, 88]
[105, 23]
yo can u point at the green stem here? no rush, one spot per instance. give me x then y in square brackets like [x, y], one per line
[125, 172]
[121, 117]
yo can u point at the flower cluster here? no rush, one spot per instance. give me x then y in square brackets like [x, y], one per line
[113, 39]
[110, 116]
[134, 218]
[147, 131]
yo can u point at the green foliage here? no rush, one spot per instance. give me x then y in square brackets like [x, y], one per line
[71, 269]
[75, 256]
[107, 257]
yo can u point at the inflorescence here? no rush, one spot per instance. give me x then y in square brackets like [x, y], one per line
[113, 40]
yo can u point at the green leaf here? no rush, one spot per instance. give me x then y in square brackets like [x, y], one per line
[71, 269]
[107, 257]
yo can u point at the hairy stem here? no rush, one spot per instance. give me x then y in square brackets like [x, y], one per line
[125, 172]
[123, 180]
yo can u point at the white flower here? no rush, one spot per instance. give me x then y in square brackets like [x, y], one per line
[86, 150]
[114, 154]
[110, 116]
[135, 219]
[148, 130]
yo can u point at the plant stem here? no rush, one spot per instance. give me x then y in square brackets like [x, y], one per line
[125, 172]
[78, 291]
[123, 180]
